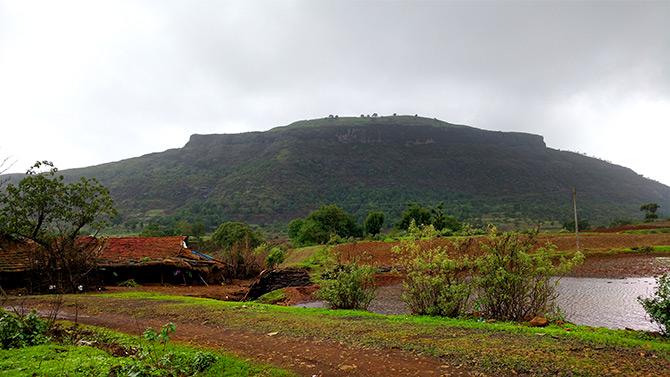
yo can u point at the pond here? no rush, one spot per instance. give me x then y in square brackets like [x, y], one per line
[597, 302]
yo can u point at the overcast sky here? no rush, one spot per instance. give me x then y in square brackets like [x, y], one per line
[88, 82]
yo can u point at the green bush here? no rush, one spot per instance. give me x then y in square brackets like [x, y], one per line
[435, 283]
[349, 286]
[658, 306]
[274, 258]
[18, 332]
[513, 281]
[322, 225]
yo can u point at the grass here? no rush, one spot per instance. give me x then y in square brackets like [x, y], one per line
[61, 357]
[497, 347]
[272, 297]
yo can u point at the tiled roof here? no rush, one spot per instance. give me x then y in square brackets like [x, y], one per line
[135, 248]
[113, 251]
[14, 256]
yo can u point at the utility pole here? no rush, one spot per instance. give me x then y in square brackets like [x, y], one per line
[574, 200]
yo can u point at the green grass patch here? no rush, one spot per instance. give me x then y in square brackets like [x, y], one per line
[272, 297]
[90, 351]
[498, 347]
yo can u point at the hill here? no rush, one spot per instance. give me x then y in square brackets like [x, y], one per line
[371, 163]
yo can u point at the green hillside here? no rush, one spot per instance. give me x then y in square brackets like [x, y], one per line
[371, 163]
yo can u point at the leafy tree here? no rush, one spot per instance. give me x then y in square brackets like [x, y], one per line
[441, 221]
[620, 221]
[52, 214]
[650, 211]
[238, 243]
[294, 229]
[434, 216]
[323, 224]
[231, 233]
[415, 212]
[374, 222]
[154, 230]
[583, 225]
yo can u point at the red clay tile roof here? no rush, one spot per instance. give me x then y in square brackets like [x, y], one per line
[135, 248]
[14, 256]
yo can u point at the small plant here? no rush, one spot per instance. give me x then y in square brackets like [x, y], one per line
[513, 280]
[17, 331]
[156, 355]
[658, 306]
[348, 286]
[274, 258]
[436, 282]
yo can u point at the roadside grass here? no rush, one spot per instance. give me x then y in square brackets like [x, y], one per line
[96, 352]
[498, 347]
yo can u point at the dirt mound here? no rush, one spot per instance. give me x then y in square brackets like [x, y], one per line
[272, 280]
[655, 225]
[603, 264]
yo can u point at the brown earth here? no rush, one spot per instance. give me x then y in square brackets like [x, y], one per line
[602, 258]
[303, 356]
[314, 357]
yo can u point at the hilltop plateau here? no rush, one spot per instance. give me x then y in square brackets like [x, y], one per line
[370, 163]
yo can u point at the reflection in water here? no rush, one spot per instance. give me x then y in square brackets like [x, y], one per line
[610, 303]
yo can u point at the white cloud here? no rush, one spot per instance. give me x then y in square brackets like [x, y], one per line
[85, 82]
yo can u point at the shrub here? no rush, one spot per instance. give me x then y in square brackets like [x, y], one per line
[512, 281]
[349, 286]
[18, 332]
[275, 257]
[658, 306]
[435, 283]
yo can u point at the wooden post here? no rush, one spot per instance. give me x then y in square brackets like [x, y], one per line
[574, 199]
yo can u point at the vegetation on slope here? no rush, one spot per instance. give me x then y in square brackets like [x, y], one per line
[366, 164]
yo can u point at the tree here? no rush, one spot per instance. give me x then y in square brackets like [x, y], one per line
[231, 233]
[434, 216]
[583, 225]
[441, 221]
[238, 243]
[374, 222]
[416, 212]
[620, 221]
[44, 209]
[650, 211]
[323, 224]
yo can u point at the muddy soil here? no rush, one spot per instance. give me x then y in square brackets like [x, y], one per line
[305, 357]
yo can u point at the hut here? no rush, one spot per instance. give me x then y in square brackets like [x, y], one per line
[166, 260]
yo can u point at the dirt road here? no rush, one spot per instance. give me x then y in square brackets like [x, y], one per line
[304, 357]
